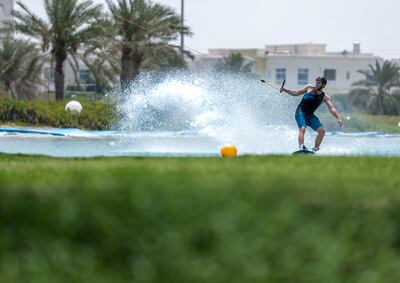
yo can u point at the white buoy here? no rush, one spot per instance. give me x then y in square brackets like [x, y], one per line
[398, 124]
[74, 106]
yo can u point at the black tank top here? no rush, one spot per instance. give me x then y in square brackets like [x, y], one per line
[311, 101]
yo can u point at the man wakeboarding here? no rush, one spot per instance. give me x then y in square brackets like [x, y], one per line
[312, 99]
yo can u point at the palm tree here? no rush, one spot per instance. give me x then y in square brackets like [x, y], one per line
[103, 58]
[235, 62]
[70, 23]
[141, 24]
[20, 68]
[377, 85]
[100, 64]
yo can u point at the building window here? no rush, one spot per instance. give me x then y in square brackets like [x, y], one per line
[84, 76]
[280, 75]
[348, 75]
[330, 74]
[302, 76]
[48, 74]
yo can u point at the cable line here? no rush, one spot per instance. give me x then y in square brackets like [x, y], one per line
[185, 46]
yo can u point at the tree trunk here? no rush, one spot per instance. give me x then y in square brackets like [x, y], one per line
[131, 62]
[59, 75]
[9, 91]
[126, 67]
[380, 101]
[137, 58]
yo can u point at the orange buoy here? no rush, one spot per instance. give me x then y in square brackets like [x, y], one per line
[229, 150]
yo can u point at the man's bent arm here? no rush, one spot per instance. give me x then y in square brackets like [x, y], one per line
[297, 92]
[332, 109]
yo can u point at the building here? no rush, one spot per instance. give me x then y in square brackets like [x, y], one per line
[396, 62]
[6, 6]
[300, 64]
[70, 78]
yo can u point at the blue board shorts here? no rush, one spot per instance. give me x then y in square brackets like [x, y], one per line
[305, 119]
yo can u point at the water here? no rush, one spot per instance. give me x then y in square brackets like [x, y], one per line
[194, 114]
[88, 144]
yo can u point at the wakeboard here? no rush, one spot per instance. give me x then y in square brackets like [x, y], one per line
[303, 152]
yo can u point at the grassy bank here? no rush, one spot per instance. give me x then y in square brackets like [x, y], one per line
[96, 115]
[251, 219]
[360, 122]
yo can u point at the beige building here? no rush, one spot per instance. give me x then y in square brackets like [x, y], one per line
[300, 64]
[396, 61]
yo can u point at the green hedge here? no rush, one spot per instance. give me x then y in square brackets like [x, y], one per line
[96, 115]
[270, 219]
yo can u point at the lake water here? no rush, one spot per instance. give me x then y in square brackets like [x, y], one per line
[77, 143]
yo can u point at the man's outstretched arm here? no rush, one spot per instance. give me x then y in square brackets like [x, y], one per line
[296, 92]
[332, 109]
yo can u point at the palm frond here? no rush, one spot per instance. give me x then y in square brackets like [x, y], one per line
[234, 62]
[379, 80]
[21, 67]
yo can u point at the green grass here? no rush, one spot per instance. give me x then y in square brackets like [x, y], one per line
[250, 219]
[360, 122]
[381, 123]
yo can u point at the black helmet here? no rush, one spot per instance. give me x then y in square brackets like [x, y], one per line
[322, 80]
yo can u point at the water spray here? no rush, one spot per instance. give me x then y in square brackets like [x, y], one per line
[207, 109]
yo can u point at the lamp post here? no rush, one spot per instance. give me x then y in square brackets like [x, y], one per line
[182, 22]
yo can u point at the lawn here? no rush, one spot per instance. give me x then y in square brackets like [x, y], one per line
[361, 122]
[249, 219]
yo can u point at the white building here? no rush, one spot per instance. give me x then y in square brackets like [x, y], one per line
[6, 6]
[300, 64]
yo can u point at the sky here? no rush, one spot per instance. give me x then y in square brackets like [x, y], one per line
[255, 23]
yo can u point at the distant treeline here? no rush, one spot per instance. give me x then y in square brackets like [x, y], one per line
[115, 42]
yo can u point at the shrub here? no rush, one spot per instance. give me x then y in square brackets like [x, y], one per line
[96, 115]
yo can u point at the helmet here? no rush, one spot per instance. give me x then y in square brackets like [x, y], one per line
[322, 80]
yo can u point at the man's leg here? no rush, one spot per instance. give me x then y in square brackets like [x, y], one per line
[316, 125]
[319, 138]
[301, 123]
[302, 131]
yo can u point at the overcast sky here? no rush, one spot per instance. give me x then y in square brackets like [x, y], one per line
[254, 23]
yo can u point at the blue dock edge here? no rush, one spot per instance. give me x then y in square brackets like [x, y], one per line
[29, 131]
